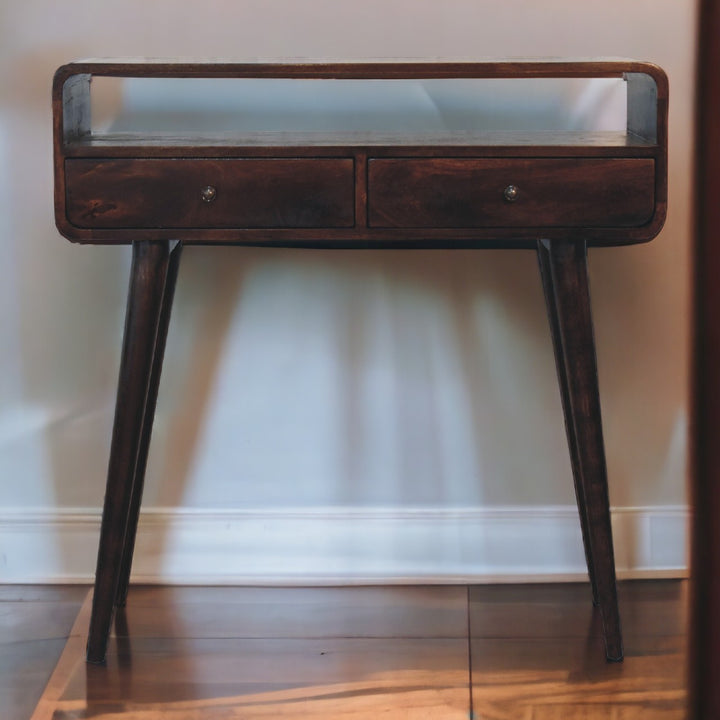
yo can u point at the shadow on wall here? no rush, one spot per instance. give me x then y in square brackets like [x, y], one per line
[300, 378]
[391, 379]
[316, 378]
[333, 378]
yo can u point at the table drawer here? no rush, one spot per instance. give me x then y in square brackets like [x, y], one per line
[248, 193]
[471, 192]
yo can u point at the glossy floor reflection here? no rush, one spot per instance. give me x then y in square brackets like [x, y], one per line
[540, 658]
[531, 652]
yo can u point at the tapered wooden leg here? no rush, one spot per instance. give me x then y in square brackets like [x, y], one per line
[139, 479]
[547, 283]
[563, 268]
[145, 296]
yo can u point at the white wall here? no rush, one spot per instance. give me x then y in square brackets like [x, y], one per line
[352, 388]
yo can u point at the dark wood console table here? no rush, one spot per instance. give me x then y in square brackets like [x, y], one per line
[556, 192]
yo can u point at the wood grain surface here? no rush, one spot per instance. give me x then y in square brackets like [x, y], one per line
[462, 192]
[534, 654]
[251, 193]
[115, 199]
[531, 652]
[35, 622]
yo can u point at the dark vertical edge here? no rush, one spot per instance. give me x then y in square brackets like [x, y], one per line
[552, 314]
[704, 686]
[147, 424]
[361, 189]
[147, 282]
[469, 631]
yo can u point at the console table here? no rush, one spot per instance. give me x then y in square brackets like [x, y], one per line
[557, 192]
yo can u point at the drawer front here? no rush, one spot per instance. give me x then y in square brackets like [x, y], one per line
[203, 193]
[538, 192]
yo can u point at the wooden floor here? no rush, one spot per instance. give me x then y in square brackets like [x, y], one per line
[488, 652]
[35, 622]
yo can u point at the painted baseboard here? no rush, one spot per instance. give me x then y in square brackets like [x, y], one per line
[340, 545]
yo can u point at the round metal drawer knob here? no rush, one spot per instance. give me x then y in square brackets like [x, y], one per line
[511, 193]
[208, 193]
